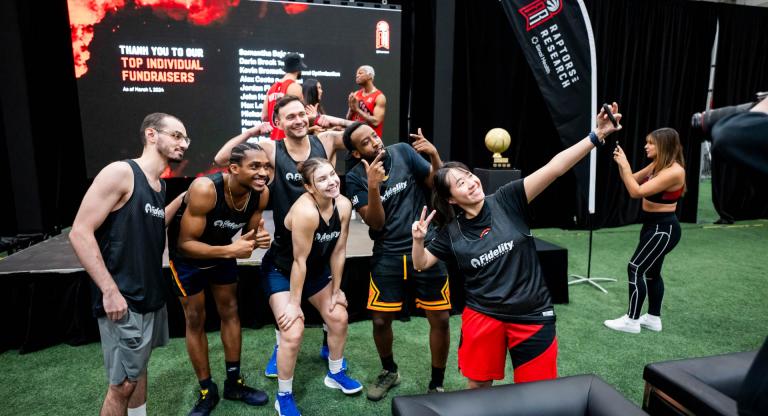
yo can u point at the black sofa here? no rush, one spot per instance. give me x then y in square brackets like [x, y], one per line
[699, 386]
[575, 395]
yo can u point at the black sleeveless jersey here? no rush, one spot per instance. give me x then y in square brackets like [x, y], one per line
[287, 187]
[503, 277]
[132, 241]
[221, 223]
[402, 197]
[323, 243]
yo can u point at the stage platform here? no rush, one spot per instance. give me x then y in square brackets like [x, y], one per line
[46, 298]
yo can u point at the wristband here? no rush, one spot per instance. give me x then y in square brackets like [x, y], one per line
[595, 141]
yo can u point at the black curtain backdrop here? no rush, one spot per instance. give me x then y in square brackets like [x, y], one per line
[653, 58]
[737, 192]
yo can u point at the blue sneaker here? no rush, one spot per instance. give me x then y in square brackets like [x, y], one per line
[285, 405]
[341, 381]
[325, 352]
[271, 370]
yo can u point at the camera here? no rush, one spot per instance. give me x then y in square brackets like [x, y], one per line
[704, 120]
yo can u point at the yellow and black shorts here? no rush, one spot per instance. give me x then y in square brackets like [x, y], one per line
[390, 274]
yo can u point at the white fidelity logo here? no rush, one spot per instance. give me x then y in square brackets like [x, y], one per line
[294, 177]
[326, 237]
[228, 224]
[155, 212]
[494, 254]
[400, 187]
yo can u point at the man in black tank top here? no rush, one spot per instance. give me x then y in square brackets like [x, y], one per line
[387, 189]
[286, 188]
[202, 252]
[119, 237]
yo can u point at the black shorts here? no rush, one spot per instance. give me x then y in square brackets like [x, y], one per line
[189, 280]
[390, 274]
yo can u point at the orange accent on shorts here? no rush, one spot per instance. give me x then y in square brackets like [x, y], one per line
[176, 278]
[440, 304]
[405, 267]
[375, 304]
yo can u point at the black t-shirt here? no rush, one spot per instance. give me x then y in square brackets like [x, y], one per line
[288, 186]
[221, 223]
[132, 241]
[323, 242]
[497, 255]
[401, 195]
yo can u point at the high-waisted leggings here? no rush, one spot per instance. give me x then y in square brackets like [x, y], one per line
[659, 235]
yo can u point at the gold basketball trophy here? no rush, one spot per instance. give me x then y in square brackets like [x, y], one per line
[497, 140]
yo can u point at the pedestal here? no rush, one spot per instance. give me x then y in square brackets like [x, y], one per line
[492, 179]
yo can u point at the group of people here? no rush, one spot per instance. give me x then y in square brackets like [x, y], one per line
[120, 230]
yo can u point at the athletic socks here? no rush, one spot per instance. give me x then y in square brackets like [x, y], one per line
[233, 370]
[285, 386]
[138, 411]
[438, 374]
[388, 363]
[334, 366]
[205, 384]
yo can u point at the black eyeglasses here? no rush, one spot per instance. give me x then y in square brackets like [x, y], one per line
[176, 135]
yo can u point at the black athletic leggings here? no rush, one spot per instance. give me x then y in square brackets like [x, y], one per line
[659, 235]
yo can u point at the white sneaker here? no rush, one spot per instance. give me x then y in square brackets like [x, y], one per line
[651, 322]
[624, 324]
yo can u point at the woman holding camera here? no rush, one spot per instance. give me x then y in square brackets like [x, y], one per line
[660, 184]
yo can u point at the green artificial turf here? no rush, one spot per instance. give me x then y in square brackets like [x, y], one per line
[716, 302]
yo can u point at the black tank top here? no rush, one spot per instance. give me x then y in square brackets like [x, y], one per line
[323, 243]
[288, 186]
[221, 223]
[131, 241]
[503, 276]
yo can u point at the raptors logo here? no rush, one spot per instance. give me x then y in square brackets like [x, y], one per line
[539, 11]
[382, 35]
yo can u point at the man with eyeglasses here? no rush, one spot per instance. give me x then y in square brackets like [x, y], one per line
[119, 237]
[202, 254]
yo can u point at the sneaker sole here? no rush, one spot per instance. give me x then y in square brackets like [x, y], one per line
[376, 399]
[277, 408]
[250, 403]
[329, 382]
[627, 330]
[652, 328]
[270, 375]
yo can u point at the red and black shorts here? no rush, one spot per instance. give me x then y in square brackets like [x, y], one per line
[485, 341]
[390, 274]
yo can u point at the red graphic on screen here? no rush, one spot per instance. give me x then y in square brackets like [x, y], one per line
[85, 14]
[295, 8]
[382, 35]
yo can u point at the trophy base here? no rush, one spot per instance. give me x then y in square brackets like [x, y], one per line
[493, 179]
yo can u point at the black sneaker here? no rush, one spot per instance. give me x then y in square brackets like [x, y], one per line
[237, 390]
[207, 402]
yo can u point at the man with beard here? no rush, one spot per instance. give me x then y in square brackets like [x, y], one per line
[119, 237]
[386, 189]
[368, 104]
[288, 185]
[287, 85]
[202, 252]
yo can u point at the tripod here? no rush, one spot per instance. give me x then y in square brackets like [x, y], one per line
[588, 278]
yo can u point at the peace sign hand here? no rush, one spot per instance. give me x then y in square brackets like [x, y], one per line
[420, 227]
